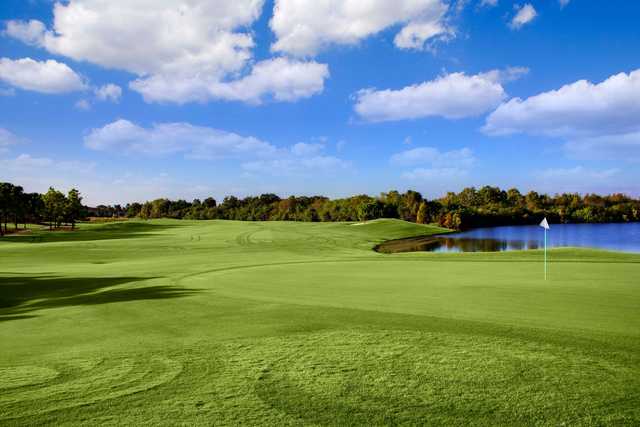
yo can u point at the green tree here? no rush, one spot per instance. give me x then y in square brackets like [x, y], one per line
[6, 205]
[145, 211]
[370, 209]
[34, 208]
[514, 197]
[5, 202]
[73, 207]
[133, 210]
[16, 204]
[54, 205]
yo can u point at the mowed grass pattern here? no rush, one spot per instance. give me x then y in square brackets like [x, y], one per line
[271, 323]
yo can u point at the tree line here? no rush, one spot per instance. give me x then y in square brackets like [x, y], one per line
[470, 208]
[53, 208]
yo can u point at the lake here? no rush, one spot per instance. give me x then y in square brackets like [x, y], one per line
[616, 237]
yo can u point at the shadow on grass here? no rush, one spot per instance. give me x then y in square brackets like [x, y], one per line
[20, 295]
[119, 230]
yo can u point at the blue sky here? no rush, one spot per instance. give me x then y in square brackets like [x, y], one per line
[214, 97]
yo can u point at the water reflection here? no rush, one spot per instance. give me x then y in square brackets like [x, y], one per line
[618, 237]
[481, 245]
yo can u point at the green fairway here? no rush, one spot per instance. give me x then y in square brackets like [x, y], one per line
[279, 323]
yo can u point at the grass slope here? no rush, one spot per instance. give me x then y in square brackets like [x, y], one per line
[221, 322]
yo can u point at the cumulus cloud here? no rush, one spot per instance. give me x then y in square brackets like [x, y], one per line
[600, 117]
[50, 77]
[452, 96]
[194, 51]
[415, 34]
[281, 79]
[195, 142]
[29, 32]
[303, 28]
[108, 92]
[148, 36]
[581, 108]
[173, 138]
[204, 143]
[525, 14]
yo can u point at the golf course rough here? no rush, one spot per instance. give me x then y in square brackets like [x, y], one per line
[279, 323]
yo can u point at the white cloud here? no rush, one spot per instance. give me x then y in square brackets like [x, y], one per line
[108, 92]
[415, 34]
[590, 116]
[303, 28]
[194, 51]
[284, 79]
[525, 14]
[280, 78]
[506, 75]
[172, 138]
[452, 96]
[578, 109]
[563, 3]
[149, 36]
[195, 142]
[29, 32]
[50, 77]
[462, 158]
[7, 139]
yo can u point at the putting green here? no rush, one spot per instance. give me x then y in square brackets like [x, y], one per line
[222, 322]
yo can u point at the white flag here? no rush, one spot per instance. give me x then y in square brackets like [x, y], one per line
[544, 224]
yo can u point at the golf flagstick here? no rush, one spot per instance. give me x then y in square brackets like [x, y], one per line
[544, 224]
